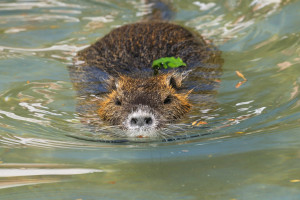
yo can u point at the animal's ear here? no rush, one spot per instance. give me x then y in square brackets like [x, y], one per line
[175, 79]
[112, 83]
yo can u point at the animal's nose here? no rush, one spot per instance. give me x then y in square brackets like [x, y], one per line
[141, 121]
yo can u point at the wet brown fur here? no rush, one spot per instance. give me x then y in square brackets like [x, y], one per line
[135, 46]
[132, 92]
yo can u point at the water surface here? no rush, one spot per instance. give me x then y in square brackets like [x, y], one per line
[248, 146]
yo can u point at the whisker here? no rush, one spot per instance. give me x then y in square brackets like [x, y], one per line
[162, 135]
[178, 127]
[187, 125]
[168, 135]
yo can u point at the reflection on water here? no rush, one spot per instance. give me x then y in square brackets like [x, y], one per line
[45, 172]
[247, 147]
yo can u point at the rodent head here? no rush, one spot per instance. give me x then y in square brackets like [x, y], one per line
[143, 105]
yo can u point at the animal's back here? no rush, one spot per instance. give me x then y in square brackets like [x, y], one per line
[135, 46]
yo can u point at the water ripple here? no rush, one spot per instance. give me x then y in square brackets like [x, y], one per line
[38, 4]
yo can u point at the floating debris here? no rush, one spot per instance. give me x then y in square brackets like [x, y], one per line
[295, 181]
[241, 82]
[240, 75]
[198, 123]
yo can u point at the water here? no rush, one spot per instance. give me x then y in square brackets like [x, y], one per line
[249, 148]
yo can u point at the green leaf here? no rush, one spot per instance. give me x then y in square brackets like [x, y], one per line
[167, 62]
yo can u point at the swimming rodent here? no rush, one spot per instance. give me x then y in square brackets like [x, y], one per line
[117, 79]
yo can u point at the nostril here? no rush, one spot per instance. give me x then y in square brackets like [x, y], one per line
[141, 121]
[148, 120]
[133, 121]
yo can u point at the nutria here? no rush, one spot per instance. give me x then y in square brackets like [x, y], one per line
[120, 88]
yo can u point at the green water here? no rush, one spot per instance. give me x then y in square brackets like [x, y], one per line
[252, 147]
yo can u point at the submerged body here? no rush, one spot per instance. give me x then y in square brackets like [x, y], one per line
[134, 98]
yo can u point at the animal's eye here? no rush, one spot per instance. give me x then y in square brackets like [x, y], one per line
[118, 102]
[168, 100]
